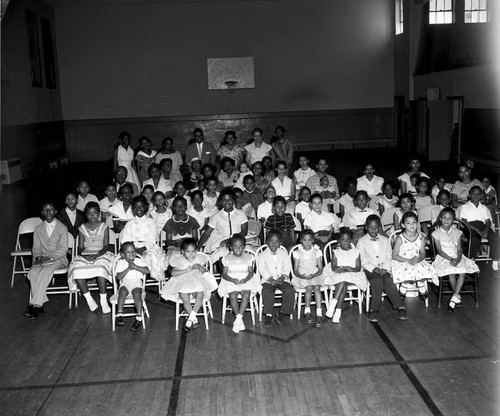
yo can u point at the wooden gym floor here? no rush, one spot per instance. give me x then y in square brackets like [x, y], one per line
[70, 362]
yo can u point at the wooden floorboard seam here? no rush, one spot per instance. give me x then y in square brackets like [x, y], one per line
[422, 391]
[176, 383]
[246, 373]
[64, 368]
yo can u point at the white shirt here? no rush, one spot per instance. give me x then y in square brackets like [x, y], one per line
[321, 222]
[301, 176]
[83, 201]
[164, 185]
[105, 204]
[51, 226]
[71, 215]
[356, 217]
[272, 265]
[470, 212]
[375, 253]
[303, 209]
[265, 210]
[256, 154]
[372, 187]
[283, 189]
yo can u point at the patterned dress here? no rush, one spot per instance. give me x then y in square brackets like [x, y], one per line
[144, 161]
[406, 272]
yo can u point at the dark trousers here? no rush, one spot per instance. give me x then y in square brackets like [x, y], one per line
[381, 284]
[287, 302]
[475, 243]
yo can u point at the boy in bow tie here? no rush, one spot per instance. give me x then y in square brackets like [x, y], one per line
[376, 254]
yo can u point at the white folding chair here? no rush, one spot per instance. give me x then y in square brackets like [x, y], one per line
[206, 304]
[129, 301]
[412, 289]
[278, 293]
[63, 288]
[26, 227]
[354, 293]
[388, 220]
[252, 303]
[299, 293]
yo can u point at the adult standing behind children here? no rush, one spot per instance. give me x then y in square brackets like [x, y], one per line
[121, 179]
[124, 156]
[230, 149]
[167, 151]
[313, 183]
[282, 148]
[200, 149]
[257, 150]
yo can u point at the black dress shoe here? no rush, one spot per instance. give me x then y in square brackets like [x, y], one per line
[278, 317]
[268, 321]
[120, 321]
[423, 296]
[136, 325]
[30, 312]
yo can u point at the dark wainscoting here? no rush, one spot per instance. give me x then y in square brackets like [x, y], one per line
[35, 144]
[371, 127]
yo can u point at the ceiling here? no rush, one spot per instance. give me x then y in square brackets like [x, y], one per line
[139, 2]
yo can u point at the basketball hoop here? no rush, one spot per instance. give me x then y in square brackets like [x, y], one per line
[231, 86]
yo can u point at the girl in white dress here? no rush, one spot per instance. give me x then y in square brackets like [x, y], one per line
[238, 278]
[308, 274]
[167, 151]
[189, 277]
[450, 261]
[387, 200]
[284, 186]
[124, 156]
[408, 259]
[141, 230]
[345, 268]
[303, 208]
[94, 259]
[406, 204]
[160, 213]
[198, 211]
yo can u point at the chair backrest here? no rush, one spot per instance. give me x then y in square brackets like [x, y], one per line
[327, 251]
[28, 225]
[208, 263]
[388, 217]
[393, 236]
[161, 239]
[254, 258]
[425, 213]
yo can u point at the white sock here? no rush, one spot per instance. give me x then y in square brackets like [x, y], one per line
[331, 308]
[192, 316]
[138, 318]
[336, 315]
[307, 309]
[494, 265]
[403, 289]
[421, 287]
[319, 311]
[90, 301]
[104, 303]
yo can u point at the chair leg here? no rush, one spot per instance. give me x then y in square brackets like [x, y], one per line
[205, 315]
[113, 316]
[325, 294]
[177, 317]
[427, 290]
[145, 308]
[224, 306]
[440, 290]
[299, 304]
[210, 312]
[70, 304]
[260, 307]
[476, 287]
[360, 301]
[13, 272]
[252, 312]
[143, 318]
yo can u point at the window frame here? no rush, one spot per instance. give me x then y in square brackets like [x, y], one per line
[444, 12]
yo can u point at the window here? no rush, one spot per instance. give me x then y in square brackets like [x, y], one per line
[34, 49]
[48, 55]
[399, 17]
[475, 11]
[440, 12]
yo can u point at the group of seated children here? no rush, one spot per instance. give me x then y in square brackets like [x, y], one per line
[162, 232]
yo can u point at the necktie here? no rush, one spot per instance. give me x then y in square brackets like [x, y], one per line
[375, 239]
[230, 227]
[199, 149]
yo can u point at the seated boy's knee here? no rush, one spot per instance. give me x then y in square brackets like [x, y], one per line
[136, 292]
